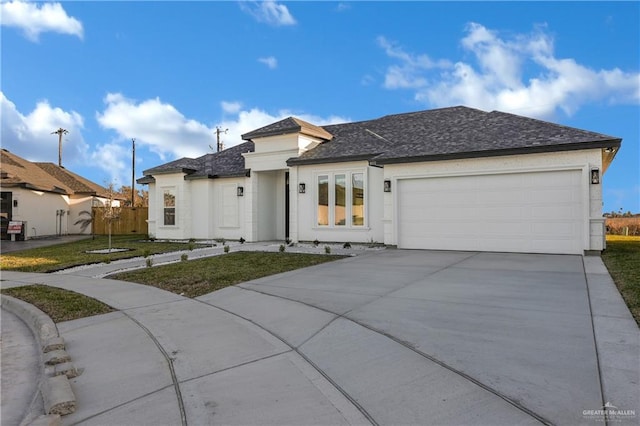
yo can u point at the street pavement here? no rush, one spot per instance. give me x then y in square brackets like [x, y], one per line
[385, 337]
[20, 371]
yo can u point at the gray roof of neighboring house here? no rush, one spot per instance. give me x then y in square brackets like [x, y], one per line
[226, 163]
[456, 132]
[439, 134]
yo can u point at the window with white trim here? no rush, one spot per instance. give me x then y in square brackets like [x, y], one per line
[341, 200]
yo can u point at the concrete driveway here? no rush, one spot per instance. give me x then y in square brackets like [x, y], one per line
[390, 337]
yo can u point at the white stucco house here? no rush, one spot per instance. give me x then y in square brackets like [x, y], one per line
[454, 178]
[45, 197]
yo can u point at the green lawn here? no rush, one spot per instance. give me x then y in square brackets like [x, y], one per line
[622, 258]
[61, 256]
[197, 277]
[60, 305]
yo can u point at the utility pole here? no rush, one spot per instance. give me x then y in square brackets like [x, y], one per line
[133, 172]
[220, 146]
[60, 132]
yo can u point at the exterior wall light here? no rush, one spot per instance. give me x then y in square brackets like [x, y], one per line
[240, 191]
[302, 188]
[595, 176]
[387, 186]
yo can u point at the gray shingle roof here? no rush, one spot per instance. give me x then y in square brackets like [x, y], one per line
[181, 165]
[226, 163]
[456, 132]
[446, 133]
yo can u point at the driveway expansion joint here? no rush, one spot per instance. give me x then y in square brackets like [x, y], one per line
[174, 378]
[442, 364]
[353, 401]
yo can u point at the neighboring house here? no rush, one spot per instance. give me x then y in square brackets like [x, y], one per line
[46, 197]
[453, 179]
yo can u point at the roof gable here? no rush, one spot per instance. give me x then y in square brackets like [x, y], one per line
[287, 126]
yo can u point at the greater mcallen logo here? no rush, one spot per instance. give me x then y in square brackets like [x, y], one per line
[610, 413]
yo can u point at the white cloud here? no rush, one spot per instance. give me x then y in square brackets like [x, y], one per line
[114, 159]
[269, 12]
[35, 19]
[29, 135]
[168, 133]
[230, 107]
[160, 126]
[496, 80]
[269, 61]
[409, 74]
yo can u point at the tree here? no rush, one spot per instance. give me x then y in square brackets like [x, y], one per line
[110, 211]
[142, 196]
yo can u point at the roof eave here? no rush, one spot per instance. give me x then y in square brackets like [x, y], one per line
[613, 143]
[343, 159]
[242, 173]
[184, 170]
[146, 180]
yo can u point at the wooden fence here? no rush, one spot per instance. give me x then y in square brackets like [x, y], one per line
[131, 221]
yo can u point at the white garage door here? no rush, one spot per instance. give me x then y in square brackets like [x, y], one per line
[520, 212]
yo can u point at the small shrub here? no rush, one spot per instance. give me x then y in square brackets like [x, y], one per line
[146, 253]
[242, 240]
[316, 243]
[346, 245]
[192, 240]
[282, 248]
[226, 249]
[184, 257]
[107, 260]
[149, 262]
[191, 245]
[327, 249]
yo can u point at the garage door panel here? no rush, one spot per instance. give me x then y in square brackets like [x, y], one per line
[518, 212]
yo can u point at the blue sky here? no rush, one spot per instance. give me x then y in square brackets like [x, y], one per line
[168, 73]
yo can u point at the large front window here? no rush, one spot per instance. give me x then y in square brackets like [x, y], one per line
[169, 207]
[341, 200]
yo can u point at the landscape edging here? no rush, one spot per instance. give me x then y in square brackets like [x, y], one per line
[45, 331]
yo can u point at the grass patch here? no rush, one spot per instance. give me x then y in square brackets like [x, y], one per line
[197, 277]
[59, 304]
[622, 259]
[67, 255]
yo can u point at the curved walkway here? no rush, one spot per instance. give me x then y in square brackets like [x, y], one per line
[389, 337]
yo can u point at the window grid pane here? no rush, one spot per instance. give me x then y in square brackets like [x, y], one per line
[357, 199]
[340, 213]
[169, 201]
[323, 200]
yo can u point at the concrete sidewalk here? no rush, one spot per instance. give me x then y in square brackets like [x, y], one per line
[388, 337]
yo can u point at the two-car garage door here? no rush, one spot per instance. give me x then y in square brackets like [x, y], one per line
[538, 212]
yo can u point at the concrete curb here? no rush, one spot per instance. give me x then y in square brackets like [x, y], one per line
[56, 391]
